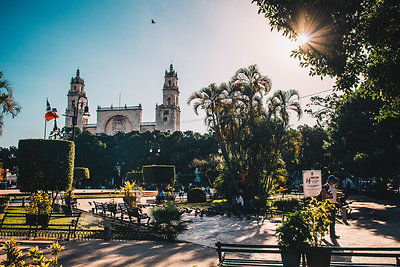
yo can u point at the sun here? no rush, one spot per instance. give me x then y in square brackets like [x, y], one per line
[303, 39]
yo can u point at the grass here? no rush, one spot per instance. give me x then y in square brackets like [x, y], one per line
[203, 205]
[21, 220]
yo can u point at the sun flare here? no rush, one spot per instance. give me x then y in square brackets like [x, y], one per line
[303, 39]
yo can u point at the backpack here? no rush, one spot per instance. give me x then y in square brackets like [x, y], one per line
[325, 188]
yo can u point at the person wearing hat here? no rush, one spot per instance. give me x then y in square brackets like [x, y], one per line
[330, 192]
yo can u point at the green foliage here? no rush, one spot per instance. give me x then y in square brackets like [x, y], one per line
[167, 220]
[15, 257]
[287, 204]
[158, 174]
[372, 149]
[294, 233]
[8, 106]
[317, 216]
[250, 137]
[360, 51]
[45, 165]
[40, 203]
[185, 178]
[101, 153]
[137, 177]
[196, 195]
[8, 158]
[81, 173]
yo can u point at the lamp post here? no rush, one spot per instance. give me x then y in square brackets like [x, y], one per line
[76, 113]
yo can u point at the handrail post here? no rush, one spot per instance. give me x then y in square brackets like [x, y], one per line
[398, 261]
[218, 244]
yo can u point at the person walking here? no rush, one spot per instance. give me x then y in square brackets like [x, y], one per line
[330, 192]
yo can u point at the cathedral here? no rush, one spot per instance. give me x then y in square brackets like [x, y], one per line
[111, 120]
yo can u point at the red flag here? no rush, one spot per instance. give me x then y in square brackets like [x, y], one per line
[50, 113]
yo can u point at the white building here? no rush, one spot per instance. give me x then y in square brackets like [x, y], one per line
[111, 120]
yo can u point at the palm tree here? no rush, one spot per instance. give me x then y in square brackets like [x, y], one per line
[217, 104]
[282, 102]
[251, 87]
[7, 103]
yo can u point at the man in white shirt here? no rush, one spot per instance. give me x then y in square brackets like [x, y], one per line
[330, 192]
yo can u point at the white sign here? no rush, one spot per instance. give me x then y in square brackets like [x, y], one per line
[312, 183]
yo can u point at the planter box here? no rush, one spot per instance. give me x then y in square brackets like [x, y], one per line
[317, 257]
[290, 258]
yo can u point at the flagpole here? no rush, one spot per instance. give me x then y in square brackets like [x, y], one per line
[45, 121]
[45, 124]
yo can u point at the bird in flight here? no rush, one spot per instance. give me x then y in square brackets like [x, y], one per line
[152, 21]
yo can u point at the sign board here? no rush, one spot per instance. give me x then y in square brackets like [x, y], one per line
[312, 183]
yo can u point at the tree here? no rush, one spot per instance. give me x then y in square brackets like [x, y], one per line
[370, 149]
[7, 102]
[251, 86]
[282, 102]
[353, 41]
[250, 142]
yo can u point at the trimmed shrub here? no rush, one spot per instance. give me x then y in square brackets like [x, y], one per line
[81, 173]
[286, 205]
[196, 195]
[137, 177]
[45, 165]
[158, 174]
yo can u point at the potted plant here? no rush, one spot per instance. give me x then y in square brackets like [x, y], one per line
[130, 195]
[39, 209]
[293, 238]
[317, 217]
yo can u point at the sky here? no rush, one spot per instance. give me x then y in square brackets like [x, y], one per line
[120, 52]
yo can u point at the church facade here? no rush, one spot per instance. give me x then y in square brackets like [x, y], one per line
[111, 120]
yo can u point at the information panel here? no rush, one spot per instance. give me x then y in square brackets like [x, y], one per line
[312, 183]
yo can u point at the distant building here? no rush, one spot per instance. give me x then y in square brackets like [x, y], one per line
[111, 120]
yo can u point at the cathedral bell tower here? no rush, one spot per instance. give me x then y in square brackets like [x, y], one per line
[77, 103]
[168, 115]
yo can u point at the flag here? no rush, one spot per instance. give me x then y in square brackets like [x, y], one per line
[50, 113]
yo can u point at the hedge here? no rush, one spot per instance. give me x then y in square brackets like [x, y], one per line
[135, 176]
[81, 173]
[158, 174]
[45, 165]
[196, 195]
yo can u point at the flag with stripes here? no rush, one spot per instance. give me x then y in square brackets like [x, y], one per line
[50, 113]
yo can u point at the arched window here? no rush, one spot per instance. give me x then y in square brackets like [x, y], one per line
[73, 103]
[74, 87]
[168, 101]
[169, 82]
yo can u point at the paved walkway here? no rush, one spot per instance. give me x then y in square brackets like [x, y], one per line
[375, 223]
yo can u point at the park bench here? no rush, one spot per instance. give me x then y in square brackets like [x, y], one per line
[99, 207]
[234, 255]
[70, 227]
[136, 214]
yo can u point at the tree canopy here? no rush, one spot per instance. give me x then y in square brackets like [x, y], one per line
[354, 41]
[7, 102]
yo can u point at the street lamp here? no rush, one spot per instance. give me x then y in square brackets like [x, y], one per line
[76, 113]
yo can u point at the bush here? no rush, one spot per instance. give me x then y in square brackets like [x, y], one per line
[15, 257]
[167, 221]
[196, 195]
[287, 204]
[4, 202]
[81, 173]
[137, 177]
[294, 233]
[158, 174]
[45, 165]
[40, 203]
